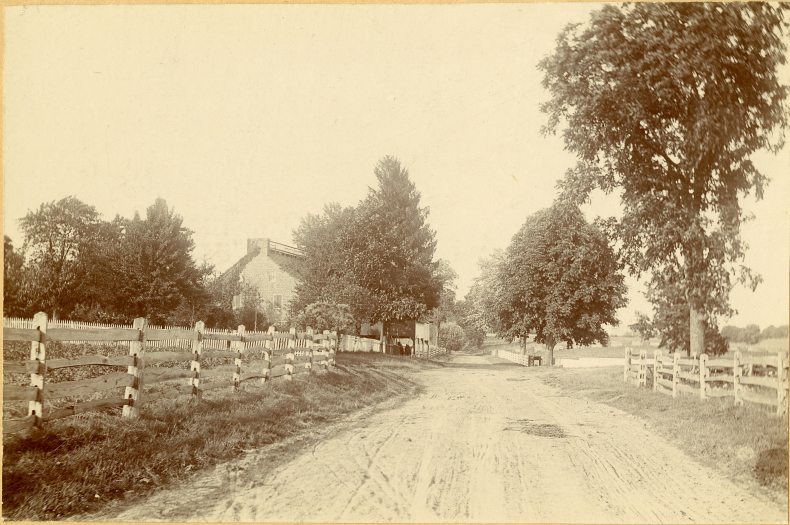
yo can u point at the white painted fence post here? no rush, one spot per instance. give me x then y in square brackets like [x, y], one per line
[656, 368]
[197, 349]
[38, 352]
[133, 394]
[675, 373]
[642, 368]
[309, 337]
[737, 372]
[703, 375]
[781, 383]
[289, 356]
[267, 355]
[239, 347]
[627, 365]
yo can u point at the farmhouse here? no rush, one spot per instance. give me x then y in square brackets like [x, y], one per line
[270, 267]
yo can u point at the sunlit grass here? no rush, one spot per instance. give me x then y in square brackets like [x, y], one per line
[747, 443]
[78, 464]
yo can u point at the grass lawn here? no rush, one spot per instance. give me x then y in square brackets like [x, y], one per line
[78, 464]
[746, 443]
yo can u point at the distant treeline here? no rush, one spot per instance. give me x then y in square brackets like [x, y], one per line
[75, 265]
[752, 334]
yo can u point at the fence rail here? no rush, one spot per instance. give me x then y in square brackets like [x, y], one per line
[256, 355]
[757, 379]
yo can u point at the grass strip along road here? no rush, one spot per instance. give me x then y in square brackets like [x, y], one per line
[82, 463]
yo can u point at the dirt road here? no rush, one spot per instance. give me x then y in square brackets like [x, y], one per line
[487, 442]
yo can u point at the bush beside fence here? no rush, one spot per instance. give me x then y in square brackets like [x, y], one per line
[755, 378]
[275, 355]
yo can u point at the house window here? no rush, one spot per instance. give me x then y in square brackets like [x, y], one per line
[278, 301]
[236, 301]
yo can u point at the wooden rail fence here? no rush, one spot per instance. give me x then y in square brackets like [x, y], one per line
[278, 355]
[754, 378]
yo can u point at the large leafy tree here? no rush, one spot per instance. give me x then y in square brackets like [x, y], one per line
[60, 238]
[155, 261]
[484, 299]
[376, 257]
[560, 280]
[666, 102]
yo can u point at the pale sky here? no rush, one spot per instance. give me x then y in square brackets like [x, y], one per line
[247, 117]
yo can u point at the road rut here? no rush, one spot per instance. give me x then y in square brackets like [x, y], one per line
[487, 441]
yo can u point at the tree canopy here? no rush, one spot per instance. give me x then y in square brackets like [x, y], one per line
[83, 267]
[60, 238]
[666, 102]
[559, 279]
[376, 257]
[156, 260]
[13, 279]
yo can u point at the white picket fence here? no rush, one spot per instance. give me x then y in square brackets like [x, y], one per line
[518, 358]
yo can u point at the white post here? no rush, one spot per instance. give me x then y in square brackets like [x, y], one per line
[737, 372]
[656, 368]
[627, 365]
[703, 375]
[137, 350]
[309, 337]
[38, 352]
[197, 349]
[289, 356]
[781, 384]
[239, 347]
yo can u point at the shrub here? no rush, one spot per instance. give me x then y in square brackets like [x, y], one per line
[452, 337]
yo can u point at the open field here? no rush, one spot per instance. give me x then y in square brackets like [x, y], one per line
[81, 463]
[746, 444]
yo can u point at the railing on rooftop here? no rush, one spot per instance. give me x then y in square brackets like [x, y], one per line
[285, 249]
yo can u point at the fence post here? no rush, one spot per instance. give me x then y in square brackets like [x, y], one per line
[289, 356]
[38, 352]
[333, 347]
[781, 384]
[239, 347]
[133, 394]
[267, 355]
[703, 375]
[675, 373]
[197, 349]
[656, 367]
[643, 368]
[309, 337]
[627, 365]
[737, 372]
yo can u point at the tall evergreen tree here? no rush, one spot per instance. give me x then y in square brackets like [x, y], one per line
[156, 265]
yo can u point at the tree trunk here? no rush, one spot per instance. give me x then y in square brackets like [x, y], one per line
[696, 332]
[523, 345]
[550, 352]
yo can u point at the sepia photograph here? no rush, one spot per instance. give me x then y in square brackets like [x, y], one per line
[396, 263]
